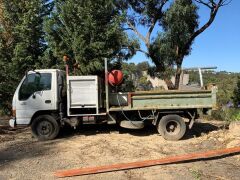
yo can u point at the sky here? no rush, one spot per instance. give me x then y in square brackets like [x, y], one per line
[218, 46]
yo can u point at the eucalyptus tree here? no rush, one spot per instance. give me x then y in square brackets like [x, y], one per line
[177, 26]
[181, 26]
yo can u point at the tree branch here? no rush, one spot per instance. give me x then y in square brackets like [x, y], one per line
[226, 2]
[127, 29]
[150, 32]
[142, 51]
[214, 9]
[154, 21]
[136, 49]
[204, 3]
[212, 3]
[136, 31]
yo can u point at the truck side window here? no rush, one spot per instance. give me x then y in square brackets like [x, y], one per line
[33, 83]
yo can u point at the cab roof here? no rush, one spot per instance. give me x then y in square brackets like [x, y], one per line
[45, 70]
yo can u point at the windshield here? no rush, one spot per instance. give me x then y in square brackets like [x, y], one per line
[33, 83]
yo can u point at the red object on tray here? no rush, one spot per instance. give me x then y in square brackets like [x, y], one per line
[115, 77]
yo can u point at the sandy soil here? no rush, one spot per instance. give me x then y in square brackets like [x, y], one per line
[23, 157]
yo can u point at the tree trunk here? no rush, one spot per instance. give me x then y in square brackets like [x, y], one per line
[178, 75]
[169, 83]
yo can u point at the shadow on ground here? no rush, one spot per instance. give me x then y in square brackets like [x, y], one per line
[18, 143]
[201, 128]
[197, 130]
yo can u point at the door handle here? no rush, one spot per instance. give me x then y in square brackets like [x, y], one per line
[48, 101]
[23, 103]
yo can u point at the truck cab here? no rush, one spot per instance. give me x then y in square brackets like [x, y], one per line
[37, 93]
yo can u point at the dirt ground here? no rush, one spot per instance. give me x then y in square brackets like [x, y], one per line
[23, 157]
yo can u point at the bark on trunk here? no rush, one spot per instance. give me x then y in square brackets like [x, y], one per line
[178, 76]
[170, 84]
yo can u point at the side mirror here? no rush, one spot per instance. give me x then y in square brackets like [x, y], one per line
[26, 75]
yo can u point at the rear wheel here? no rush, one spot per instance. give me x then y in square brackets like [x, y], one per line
[45, 127]
[172, 127]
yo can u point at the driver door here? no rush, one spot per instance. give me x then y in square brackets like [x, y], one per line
[35, 94]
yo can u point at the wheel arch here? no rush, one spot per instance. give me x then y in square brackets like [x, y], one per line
[43, 112]
[190, 114]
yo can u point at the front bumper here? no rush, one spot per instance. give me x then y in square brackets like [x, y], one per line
[12, 123]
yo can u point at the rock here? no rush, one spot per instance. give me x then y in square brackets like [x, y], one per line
[234, 129]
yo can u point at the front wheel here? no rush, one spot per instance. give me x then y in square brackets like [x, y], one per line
[172, 127]
[45, 127]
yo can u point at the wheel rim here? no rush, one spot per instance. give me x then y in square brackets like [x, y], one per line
[44, 128]
[173, 127]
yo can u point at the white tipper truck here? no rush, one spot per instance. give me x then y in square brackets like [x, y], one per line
[48, 99]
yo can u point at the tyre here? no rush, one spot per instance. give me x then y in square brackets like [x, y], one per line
[45, 127]
[172, 127]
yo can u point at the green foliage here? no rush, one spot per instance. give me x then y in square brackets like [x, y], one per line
[149, 14]
[26, 20]
[143, 66]
[227, 114]
[21, 42]
[178, 20]
[134, 78]
[179, 24]
[142, 12]
[128, 86]
[162, 54]
[145, 84]
[236, 115]
[226, 82]
[177, 27]
[143, 80]
[136, 70]
[236, 94]
[129, 69]
[88, 32]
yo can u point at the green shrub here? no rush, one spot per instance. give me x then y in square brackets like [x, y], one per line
[227, 114]
[236, 115]
[236, 93]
